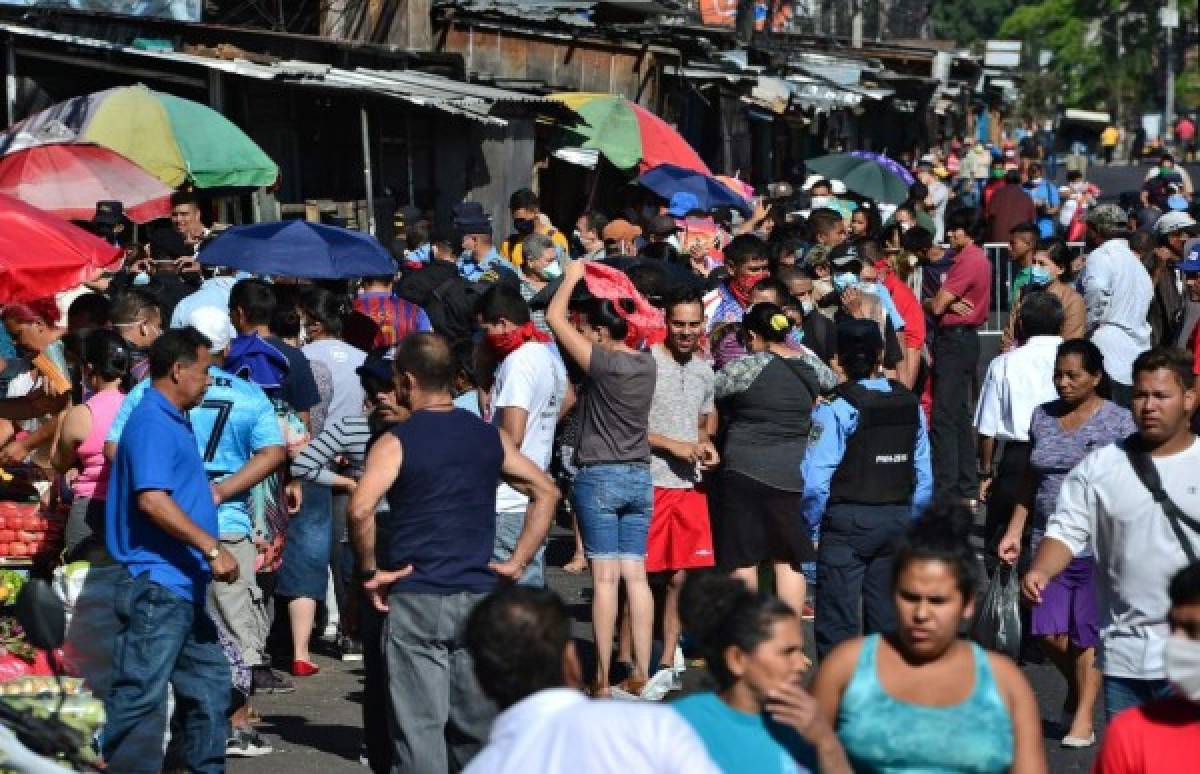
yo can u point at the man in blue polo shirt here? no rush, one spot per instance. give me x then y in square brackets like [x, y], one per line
[162, 527]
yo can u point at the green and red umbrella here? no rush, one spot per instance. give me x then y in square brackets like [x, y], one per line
[628, 134]
[176, 140]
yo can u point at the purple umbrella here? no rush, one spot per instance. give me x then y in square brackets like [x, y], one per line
[893, 166]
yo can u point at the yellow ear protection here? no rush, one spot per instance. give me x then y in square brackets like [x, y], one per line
[780, 322]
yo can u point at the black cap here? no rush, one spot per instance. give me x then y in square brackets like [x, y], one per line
[376, 366]
[469, 218]
[844, 254]
[109, 213]
[661, 225]
[859, 337]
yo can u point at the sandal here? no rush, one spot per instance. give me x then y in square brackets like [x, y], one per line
[632, 685]
[577, 566]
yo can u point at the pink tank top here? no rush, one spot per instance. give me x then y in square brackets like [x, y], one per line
[93, 467]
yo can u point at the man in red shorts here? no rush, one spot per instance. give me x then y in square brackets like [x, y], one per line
[681, 418]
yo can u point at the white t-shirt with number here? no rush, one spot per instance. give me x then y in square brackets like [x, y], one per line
[532, 378]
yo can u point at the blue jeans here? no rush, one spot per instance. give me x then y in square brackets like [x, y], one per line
[1121, 693]
[508, 529]
[614, 503]
[165, 638]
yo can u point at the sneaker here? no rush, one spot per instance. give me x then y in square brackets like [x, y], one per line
[351, 649]
[267, 680]
[247, 743]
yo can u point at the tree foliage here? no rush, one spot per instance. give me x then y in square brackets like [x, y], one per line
[1107, 54]
[970, 21]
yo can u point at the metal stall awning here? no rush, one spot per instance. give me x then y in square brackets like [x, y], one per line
[470, 100]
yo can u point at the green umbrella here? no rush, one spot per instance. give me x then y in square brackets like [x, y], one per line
[864, 176]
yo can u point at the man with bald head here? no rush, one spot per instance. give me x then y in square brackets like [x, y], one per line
[439, 471]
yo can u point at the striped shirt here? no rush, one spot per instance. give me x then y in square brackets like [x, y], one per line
[348, 437]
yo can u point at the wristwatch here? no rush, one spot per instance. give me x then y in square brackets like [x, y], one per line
[212, 553]
[366, 575]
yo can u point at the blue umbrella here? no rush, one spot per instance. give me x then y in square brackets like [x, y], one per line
[297, 248]
[666, 180]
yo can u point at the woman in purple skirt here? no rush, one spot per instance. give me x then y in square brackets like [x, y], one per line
[1062, 433]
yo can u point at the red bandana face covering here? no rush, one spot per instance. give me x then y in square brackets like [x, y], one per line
[743, 285]
[504, 344]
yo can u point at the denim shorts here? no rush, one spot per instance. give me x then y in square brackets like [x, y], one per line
[613, 503]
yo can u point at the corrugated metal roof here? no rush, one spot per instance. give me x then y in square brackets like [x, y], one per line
[470, 100]
[576, 13]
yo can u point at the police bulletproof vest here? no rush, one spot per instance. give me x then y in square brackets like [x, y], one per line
[878, 467]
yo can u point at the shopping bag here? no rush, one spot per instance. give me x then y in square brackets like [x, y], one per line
[998, 621]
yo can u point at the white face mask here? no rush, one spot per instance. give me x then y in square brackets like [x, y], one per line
[1183, 666]
[808, 305]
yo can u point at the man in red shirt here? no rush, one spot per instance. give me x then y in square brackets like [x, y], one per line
[960, 307]
[1162, 737]
[1009, 206]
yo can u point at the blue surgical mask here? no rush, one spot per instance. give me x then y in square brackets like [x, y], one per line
[1039, 276]
[141, 278]
[552, 270]
[845, 280]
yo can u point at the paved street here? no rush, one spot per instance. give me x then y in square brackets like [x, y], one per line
[319, 728]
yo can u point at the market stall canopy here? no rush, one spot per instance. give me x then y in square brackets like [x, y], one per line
[864, 176]
[68, 180]
[627, 134]
[42, 254]
[666, 180]
[298, 248]
[176, 140]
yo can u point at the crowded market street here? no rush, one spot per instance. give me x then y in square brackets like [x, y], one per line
[599, 388]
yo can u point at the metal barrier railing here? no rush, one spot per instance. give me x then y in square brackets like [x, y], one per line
[1002, 279]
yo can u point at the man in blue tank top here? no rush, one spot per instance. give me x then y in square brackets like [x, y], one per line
[439, 471]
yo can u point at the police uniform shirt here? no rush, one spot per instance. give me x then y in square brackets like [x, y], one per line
[832, 425]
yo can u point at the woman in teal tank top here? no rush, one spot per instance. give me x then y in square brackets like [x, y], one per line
[922, 700]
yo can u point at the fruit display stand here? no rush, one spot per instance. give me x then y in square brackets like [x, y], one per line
[31, 533]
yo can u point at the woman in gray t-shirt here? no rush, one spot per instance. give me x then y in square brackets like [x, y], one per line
[612, 493]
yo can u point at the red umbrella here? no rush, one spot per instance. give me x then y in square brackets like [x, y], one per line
[68, 180]
[42, 254]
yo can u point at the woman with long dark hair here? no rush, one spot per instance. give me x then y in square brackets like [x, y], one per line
[922, 698]
[104, 369]
[759, 719]
[612, 493]
[1061, 434]
[323, 313]
[1053, 273]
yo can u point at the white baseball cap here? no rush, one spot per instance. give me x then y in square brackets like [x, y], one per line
[213, 322]
[1171, 222]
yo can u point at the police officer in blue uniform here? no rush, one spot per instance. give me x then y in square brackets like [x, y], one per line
[867, 474]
